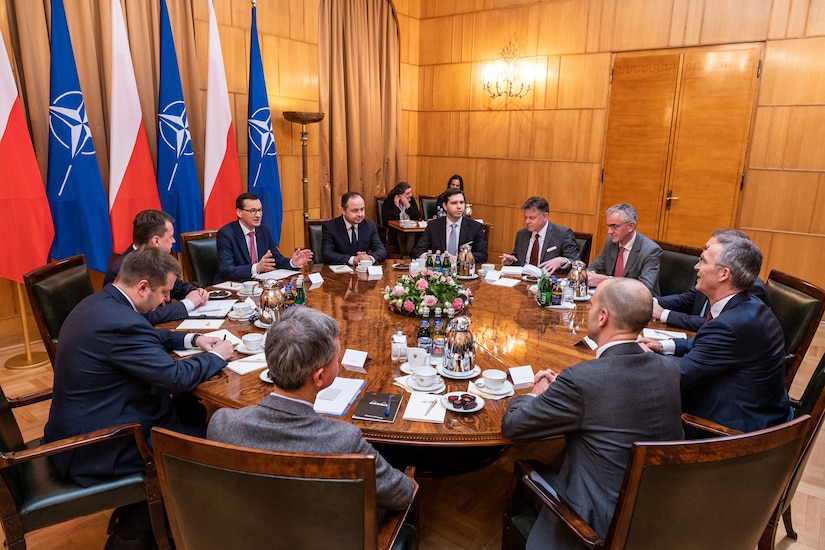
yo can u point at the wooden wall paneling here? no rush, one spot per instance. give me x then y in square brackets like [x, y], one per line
[545, 82]
[467, 37]
[574, 187]
[600, 25]
[805, 138]
[778, 22]
[563, 27]
[496, 28]
[294, 59]
[584, 81]
[818, 217]
[451, 87]
[425, 88]
[506, 182]
[461, 134]
[436, 47]
[815, 20]
[724, 22]
[432, 139]
[589, 141]
[410, 92]
[770, 195]
[800, 255]
[521, 136]
[488, 134]
[793, 72]
[539, 175]
[679, 24]
[769, 137]
[640, 24]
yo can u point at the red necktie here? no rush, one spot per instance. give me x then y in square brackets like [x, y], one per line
[253, 252]
[708, 317]
[619, 271]
[534, 252]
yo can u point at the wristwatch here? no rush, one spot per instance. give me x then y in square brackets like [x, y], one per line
[195, 339]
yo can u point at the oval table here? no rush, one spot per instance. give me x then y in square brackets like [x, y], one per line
[510, 329]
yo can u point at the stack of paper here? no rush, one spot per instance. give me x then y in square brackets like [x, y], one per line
[335, 399]
[213, 309]
[248, 364]
[425, 407]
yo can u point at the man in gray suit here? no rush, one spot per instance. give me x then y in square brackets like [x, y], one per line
[302, 351]
[640, 255]
[602, 407]
[542, 243]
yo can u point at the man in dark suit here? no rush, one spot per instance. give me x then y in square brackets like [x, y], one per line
[598, 406]
[246, 248]
[691, 309]
[350, 238]
[302, 352]
[450, 232]
[154, 228]
[542, 243]
[114, 367]
[639, 257]
[733, 370]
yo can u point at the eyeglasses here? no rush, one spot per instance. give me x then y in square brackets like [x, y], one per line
[253, 211]
[615, 226]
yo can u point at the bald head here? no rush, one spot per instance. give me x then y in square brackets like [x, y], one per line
[628, 302]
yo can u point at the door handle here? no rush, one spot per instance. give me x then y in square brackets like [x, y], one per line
[669, 199]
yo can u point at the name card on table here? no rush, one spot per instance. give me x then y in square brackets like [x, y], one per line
[354, 360]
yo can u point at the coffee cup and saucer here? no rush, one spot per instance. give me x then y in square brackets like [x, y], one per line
[250, 288]
[426, 379]
[241, 311]
[363, 265]
[494, 382]
[251, 344]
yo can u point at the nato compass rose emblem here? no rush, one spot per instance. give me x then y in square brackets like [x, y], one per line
[260, 135]
[174, 130]
[70, 127]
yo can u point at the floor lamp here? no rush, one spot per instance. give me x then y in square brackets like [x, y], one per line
[304, 119]
[30, 359]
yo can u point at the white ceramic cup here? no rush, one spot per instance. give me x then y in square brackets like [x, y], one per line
[494, 379]
[249, 286]
[241, 309]
[417, 357]
[363, 265]
[487, 267]
[425, 377]
[253, 341]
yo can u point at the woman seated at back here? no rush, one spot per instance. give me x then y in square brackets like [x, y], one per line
[400, 204]
[455, 182]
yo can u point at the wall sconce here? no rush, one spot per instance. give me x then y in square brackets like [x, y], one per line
[506, 77]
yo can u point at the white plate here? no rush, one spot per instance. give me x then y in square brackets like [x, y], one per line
[255, 293]
[264, 376]
[219, 294]
[449, 406]
[437, 388]
[401, 267]
[581, 298]
[505, 388]
[231, 316]
[467, 278]
[406, 368]
[459, 375]
[529, 279]
[241, 348]
[259, 324]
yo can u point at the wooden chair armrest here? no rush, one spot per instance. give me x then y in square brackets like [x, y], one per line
[47, 449]
[395, 519]
[548, 496]
[708, 426]
[795, 404]
[29, 398]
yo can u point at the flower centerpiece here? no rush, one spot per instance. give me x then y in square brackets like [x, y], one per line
[428, 288]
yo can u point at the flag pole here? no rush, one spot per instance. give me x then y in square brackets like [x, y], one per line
[30, 359]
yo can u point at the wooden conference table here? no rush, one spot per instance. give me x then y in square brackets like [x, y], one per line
[510, 329]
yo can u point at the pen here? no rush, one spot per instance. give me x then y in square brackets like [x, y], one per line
[432, 404]
[224, 336]
[387, 410]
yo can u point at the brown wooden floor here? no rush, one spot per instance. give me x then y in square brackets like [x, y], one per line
[456, 513]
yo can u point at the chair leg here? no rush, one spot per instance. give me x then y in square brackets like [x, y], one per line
[768, 536]
[15, 534]
[786, 519]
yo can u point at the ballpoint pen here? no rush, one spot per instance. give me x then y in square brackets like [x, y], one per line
[389, 403]
[432, 404]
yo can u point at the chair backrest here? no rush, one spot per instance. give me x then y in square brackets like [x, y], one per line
[200, 256]
[710, 493]
[585, 241]
[676, 273]
[54, 290]
[313, 239]
[429, 206]
[225, 496]
[379, 215]
[798, 305]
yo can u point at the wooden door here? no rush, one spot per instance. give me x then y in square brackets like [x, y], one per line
[677, 127]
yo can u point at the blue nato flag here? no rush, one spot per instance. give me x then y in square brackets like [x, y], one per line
[263, 178]
[73, 183]
[178, 186]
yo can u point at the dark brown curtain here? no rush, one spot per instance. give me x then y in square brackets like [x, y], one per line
[359, 81]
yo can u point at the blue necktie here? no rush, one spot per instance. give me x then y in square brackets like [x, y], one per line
[453, 240]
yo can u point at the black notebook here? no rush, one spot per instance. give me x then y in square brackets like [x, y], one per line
[377, 407]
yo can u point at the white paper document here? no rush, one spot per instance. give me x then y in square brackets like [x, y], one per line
[229, 285]
[335, 399]
[248, 364]
[200, 324]
[375, 272]
[506, 282]
[213, 309]
[340, 269]
[425, 407]
[511, 271]
[277, 274]
[316, 279]
[656, 334]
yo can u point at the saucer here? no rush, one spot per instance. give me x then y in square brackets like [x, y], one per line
[450, 407]
[218, 294]
[438, 387]
[459, 375]
[264, 376]
[529, 279]
[256, 292]
[231, 316]
[505, 388]
[241, 348]
[259, 324]
[467, 278]
[401, 267]
[581, 298]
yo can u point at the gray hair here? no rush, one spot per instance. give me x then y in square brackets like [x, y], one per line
[300, 343]
[628, 212]
[724, 235]
[742, 257]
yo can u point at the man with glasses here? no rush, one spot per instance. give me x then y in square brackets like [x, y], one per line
[626, 252]
[246, 248]
[733, 370]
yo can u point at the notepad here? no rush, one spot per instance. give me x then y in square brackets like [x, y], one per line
[343, 392]
[377, 407]
[200, 324]
[248, 364]
[425, 407]
[213, 309]
[340, 269]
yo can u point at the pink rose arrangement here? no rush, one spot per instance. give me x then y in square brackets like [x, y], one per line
[410, 294]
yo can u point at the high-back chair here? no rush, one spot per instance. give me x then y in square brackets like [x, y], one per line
[676, 272]
[811, 403]
[584, 241]
[429, 206]
[224, 496]
[33, 496]
[54, 290]
[708, 493]
[313, 239]
[200, 256]
[798, 305]
[383, 230]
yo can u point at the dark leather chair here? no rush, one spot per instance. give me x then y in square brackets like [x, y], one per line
[33, 496]
[676, 273]
[798, 305]
[54, 290]
[313, 239]
[200, 256]
[811, 403]
[224, 496]
[383, 231]
[585, 241]
[708, 493]
[429, 206]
